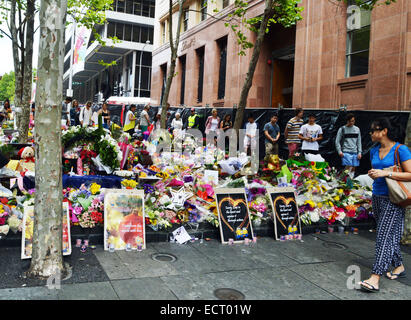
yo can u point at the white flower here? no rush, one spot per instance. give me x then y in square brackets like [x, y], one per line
[314, 215]
[164, 199]
[341, 216]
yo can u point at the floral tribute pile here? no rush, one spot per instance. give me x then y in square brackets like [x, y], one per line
[324, 195]
[179, 187]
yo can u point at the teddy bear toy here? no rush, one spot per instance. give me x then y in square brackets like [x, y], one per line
[26, 162]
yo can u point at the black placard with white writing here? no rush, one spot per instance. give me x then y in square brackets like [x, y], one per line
[285, 210]
[233, 216]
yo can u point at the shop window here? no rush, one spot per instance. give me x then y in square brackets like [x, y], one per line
[222, 45]
[120, 30]
[129, 6]
[146, 9]
[111, 29]
[136, 34]
[163, 32]
[163, 68]
[185, 20]
[358, 41]
[152, 9]
[151, 35]
[183, 78]
[143, 67]
[144, 34]
[203, 9]
[120, 6]
[200, 57]
[127, 32]
[137, 8]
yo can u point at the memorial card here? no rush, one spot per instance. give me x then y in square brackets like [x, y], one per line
[233, 216]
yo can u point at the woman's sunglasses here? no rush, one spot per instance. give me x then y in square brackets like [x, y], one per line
[372, 130]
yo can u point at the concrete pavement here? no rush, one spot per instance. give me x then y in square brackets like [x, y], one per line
[314, 269]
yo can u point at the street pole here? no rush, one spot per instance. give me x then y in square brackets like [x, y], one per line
[139, 71]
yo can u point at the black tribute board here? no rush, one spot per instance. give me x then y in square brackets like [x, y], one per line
[233, 215]
[285, 210]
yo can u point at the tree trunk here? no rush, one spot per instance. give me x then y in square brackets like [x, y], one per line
[252, 65]
[28, 74]
[174, 50]
[47, 237]
[18, 93]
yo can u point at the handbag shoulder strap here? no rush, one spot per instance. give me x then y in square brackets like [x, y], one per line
[397, 158]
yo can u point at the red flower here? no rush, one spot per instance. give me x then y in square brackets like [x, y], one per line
[2, 221]
[148, 221]
[4, 200]
[66, 161]
[351, 213]
[347, 192]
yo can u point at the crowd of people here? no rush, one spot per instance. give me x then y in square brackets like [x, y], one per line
[299, 137]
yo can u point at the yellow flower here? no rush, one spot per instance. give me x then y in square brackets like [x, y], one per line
[337, 198]
[143, 175]
[94, 188]
[129, 183]
[340, 191]
[311, 203]
[331, 204]
[319, 205]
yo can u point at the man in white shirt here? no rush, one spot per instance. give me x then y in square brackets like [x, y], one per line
[250, 133]
[86, 115]
[310, 133]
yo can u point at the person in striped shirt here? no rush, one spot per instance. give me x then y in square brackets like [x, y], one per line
[291, 132]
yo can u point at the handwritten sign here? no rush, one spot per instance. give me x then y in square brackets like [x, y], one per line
[233, 216]
[285, 210]
[124, 219]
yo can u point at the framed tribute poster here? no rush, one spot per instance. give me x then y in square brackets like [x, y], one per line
[233, 215]
[285, 210]
[124, 219]
[28, 230]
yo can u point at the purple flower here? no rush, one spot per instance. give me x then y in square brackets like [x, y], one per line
[31, 191]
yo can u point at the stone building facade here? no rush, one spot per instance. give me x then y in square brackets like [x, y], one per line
[334, 56]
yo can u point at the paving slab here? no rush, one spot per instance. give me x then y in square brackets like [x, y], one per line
[229, 257]
[194, 286]
[112, 264]
[283, 284]
[87, 291]
[85, 267]
[142, 289]
[312, 250]
[28, 293]
[333, 278]
[267, 251]
[189, 260]
[141, 265]
[361, 246]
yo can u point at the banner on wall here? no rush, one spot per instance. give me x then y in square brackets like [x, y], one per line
[80, 48]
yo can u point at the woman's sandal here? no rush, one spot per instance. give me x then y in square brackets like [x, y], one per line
[397, 275]
[368, 289]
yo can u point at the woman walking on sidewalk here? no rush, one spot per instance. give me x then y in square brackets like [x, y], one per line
[389, 216]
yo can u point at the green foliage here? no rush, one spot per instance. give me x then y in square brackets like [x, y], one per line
[102, 147]
[7, 87]
[284, 12]
[369, 4]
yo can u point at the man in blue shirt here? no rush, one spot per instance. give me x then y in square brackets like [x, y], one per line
[272, 134]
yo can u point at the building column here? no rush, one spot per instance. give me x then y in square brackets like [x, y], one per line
[133, 75]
